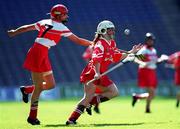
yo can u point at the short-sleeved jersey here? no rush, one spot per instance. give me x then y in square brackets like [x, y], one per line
[151, 57]
[50, 32]
[105, 53]
[175, 59]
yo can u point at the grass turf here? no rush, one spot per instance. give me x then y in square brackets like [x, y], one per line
[115, 114]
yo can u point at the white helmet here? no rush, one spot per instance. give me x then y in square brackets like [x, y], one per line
[150, 36]
[103, 26]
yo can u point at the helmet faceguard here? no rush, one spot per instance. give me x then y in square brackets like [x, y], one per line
[103, 27]
[58, 9]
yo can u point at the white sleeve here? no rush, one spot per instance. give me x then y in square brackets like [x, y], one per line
[38, 25]
[142, 51]
[99, 45]
[66, 32]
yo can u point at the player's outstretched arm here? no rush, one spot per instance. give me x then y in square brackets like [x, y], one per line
[134, 50]
[22, 29]
[80, 41]
[162, 58]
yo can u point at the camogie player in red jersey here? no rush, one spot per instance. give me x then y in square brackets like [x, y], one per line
[37, 60]
[147, 77]
[104, 53]
[174, 62]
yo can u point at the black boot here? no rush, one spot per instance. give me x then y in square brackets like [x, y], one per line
[134, 100]
[25, 96]
[96, 109]
[148, 110]
[88, 110]
[71, 122]
[33, 121]
[177, 103]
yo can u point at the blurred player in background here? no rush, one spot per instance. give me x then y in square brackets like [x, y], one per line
[104, 53]
[87, 57]
[174, 62]
[37, 62]
[147, 77]
[87, 53]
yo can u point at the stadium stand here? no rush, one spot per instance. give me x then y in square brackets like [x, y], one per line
[140, 16]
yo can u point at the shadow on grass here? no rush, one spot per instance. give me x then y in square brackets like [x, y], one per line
[95, 125]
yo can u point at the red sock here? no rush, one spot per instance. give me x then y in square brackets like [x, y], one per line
[77, 112]
[33, 110]
[29, 89]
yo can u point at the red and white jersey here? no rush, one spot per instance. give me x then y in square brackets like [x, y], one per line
[105, 53]
[50, 32]
[175, 59]
[151, 57]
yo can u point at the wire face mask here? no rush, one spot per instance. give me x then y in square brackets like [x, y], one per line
[106, 29]
[110, 34]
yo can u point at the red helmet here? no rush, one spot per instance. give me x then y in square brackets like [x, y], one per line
[58, 9]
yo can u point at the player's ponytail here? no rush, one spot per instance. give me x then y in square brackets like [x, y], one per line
[96, 38]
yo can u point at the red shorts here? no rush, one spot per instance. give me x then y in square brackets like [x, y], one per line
[147, 78]
[37, 59]
[88, 74]
[177, 77]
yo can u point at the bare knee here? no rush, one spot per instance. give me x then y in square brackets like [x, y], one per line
[115, 93]
[48, 80]
[111, 91]
[151, 95]
[48, 86]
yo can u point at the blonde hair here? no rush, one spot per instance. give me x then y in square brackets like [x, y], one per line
[96, 38]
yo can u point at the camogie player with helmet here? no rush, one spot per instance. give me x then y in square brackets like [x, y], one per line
[104, 53]
[50, 32]
[147, 77]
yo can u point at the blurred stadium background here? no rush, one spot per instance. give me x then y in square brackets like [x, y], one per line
[160, 17]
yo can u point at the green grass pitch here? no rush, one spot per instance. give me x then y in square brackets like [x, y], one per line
[115, 114]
